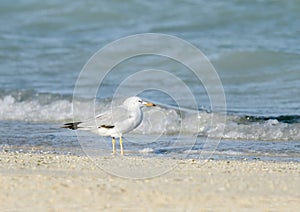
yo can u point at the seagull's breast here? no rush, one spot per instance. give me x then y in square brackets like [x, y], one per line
[136, 119]
[133, 121]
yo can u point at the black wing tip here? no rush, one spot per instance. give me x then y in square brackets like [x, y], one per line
[107, 126]
[72, 125]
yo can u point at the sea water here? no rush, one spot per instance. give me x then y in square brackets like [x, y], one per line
[254, 47]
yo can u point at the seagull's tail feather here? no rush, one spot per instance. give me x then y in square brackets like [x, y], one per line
[72, 125]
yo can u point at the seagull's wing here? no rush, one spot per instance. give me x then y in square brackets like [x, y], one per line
[108, 119]
[111, 118]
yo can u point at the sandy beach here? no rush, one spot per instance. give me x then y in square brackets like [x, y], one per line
[50, 182]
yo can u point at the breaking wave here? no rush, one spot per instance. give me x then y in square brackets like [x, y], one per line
[27, 106]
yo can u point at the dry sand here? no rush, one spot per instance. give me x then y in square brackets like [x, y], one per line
[48, 182]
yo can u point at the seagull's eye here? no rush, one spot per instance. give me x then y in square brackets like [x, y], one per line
[140, 101]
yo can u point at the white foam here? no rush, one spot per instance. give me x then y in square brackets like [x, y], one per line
[33, 111]
[146, 150]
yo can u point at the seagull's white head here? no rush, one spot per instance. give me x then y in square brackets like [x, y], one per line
[136, 102]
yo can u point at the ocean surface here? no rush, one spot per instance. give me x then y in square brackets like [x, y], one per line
[253, 45]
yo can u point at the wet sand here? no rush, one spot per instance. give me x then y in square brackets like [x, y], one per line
[50, 182]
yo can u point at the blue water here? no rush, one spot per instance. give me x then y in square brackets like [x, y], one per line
[254, 47]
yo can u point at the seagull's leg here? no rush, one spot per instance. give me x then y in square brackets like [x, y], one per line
[113, 142]
[121, 146]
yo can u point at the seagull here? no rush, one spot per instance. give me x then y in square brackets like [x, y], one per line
[115, 122]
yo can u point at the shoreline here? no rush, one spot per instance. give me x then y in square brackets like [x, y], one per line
[65, 182]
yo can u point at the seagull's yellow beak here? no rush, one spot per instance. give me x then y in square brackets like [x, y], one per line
[148, 104]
